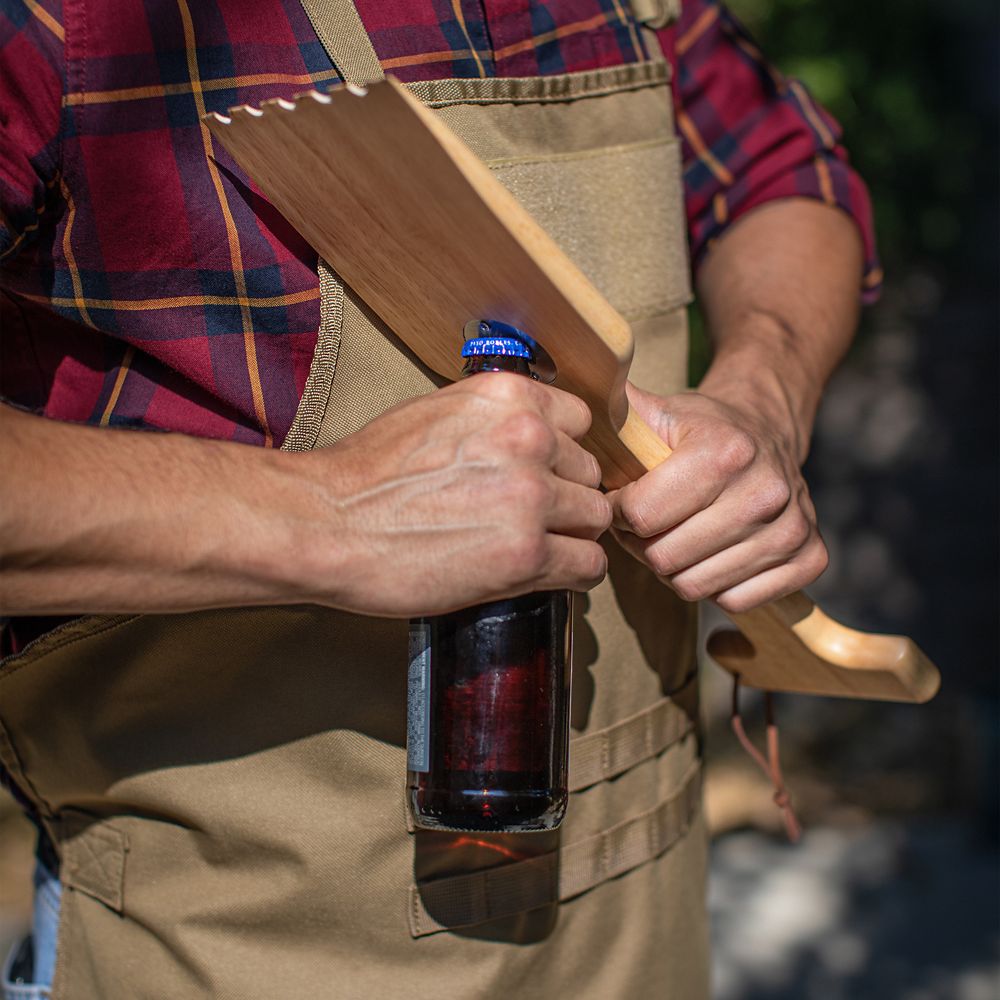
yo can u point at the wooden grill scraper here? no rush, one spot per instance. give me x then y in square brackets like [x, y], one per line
[415, 223]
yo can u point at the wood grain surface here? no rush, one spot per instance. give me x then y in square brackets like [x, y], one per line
[416, 224]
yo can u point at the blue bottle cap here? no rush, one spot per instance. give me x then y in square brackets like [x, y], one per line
[509, 347]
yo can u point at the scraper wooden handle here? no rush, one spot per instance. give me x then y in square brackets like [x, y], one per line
[389, 196]
[791, 645]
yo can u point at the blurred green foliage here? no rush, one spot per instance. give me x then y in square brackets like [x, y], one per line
[914, 85]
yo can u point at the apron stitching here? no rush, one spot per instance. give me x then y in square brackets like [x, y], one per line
[14, 663]
[14, 758]
[504, 162]
[587, 84]
[545, 99]
[308, 418]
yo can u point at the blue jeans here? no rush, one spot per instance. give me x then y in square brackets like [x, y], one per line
[28, 970]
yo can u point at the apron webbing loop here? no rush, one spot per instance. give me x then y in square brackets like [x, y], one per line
[608, 752]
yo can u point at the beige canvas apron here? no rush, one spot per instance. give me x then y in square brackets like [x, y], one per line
[226, 789]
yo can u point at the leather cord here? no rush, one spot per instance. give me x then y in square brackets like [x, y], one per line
[771, 764]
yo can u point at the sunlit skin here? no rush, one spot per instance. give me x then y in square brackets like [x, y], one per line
[729, 516]
[385, 522]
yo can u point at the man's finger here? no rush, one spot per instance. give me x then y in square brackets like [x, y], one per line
[689, 481]
[728, 569]
[561, 410]
[578, 511]
[575, 463]
[735, 517]
[777, 582]
[573, 563]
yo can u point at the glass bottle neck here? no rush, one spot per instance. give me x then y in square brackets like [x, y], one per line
[496, 363]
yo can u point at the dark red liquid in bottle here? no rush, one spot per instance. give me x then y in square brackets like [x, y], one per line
[498, 716]
[488, 732]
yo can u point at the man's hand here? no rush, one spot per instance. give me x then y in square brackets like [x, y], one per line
[728, 515]
[471, 493]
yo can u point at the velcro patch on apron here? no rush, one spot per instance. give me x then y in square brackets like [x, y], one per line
[475, 898]
[626, 242]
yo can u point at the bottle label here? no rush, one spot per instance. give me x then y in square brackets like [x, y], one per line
[418, 699]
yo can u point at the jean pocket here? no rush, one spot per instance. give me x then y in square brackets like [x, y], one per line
[17, 978]
[45, 924]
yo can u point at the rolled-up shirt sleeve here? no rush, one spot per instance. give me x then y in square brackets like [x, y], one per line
[750, 135]
[32, 68]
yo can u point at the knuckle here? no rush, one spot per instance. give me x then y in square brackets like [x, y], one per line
[735, 605]
[736, 452]
[532, 492]
[502, 387]
[603, 512]
[690, 589]
[593, 472]
[594, 566]
[794, 533]
[635, 512]
[815, 560]
[530, 435]
[771, 497]
[661, 560]
[599, 565]
[584, 416]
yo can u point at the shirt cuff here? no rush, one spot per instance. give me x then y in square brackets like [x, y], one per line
[826, 178]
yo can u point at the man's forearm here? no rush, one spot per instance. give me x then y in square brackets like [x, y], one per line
[780, 297]
[127, 521]
[389, 521]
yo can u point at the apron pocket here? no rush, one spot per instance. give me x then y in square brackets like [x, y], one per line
[575, 868]
[641, 768]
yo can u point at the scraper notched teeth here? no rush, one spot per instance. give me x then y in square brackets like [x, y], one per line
[282, 104]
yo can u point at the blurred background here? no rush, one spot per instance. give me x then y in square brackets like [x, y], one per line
[894, 892]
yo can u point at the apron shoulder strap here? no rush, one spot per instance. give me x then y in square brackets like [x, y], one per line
[656, 13]
[339, 28]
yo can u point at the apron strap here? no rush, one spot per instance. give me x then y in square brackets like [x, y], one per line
[466, 900]
[339, 28]
[343, 35]
[656, 13]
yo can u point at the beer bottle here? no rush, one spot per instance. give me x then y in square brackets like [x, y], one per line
[488, 691]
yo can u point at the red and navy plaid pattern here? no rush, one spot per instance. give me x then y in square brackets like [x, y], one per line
[433, 40]
[146, 283]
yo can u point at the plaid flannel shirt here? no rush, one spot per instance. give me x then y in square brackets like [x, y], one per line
[146, 283]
